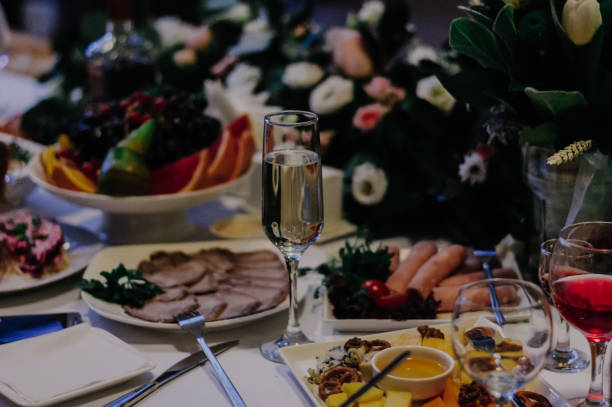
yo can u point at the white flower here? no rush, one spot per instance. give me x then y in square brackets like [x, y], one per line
[369, 184]
[172, 30]
[473, 169]
[371, 11]
[421, 53]
[331, 94]
[581, 20]
[239, 13]
[302, 75]
[431, 90]
[243, 77]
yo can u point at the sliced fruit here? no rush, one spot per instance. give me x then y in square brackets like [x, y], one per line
[242, 128]
[186, 174]
[66, 176]
[451, 394]
[124, 172]
[437, 402]
[225, 151]
[48, 162]
[335, 400]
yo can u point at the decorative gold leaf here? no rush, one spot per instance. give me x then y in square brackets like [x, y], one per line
[569, 153]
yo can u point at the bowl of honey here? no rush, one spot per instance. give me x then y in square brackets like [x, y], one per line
[423, 373]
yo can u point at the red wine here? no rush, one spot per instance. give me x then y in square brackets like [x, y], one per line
[585, 301]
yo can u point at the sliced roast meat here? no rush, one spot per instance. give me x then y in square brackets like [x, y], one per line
[238, 304]
[161, 259]
[266, 282]
[157, 311]
[215, 259]
[172, 276]
[211, 306]
[171, 294]
[257, 256]
[208, 283]
[262, 273]
[268, 297]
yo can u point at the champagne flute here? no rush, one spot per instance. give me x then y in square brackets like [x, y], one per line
[581, 286]
[502, 355]
[292, 202]
[563, 358]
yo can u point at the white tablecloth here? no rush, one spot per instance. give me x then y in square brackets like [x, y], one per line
[261, 383]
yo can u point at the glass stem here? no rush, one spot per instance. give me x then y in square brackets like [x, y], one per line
[292, 262]
[598, 352]
[500, 402]
[563, 338]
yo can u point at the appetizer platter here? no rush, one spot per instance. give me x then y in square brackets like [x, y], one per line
[36, 251]
[373, 289]
[329, 372]
[230, 282]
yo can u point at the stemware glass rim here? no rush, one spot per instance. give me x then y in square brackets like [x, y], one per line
[312, 117]
[505, 281]
[568, 242]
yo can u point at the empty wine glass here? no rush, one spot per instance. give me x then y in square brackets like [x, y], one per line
[502, 347]
[581, 286]
[563, 358]
[292, 202]
[5, 39]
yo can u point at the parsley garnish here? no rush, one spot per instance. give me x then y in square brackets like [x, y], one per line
[36, 221]
[18, 153]
[355, 264]
[122, 286]
[19, 231]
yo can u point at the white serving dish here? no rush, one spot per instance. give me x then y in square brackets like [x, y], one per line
[300, 358]
[131, 255]
[18, 183]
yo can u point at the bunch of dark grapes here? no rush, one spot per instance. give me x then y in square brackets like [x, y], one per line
[182, 129]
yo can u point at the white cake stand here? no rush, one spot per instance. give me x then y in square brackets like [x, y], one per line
[141, 219]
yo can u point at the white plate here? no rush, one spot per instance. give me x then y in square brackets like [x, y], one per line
[81, 245]
[135, 204]
[300, 358]
[373, 324]
[131, 255]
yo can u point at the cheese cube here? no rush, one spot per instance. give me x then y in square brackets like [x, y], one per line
[398, 399]
[373, 393]
[335, 400]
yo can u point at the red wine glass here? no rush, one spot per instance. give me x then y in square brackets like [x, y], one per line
[581, 286]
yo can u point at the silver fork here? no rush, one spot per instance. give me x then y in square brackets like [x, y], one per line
[194, 322]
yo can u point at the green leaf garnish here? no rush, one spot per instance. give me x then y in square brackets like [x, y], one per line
[18, 153]
[122, 286]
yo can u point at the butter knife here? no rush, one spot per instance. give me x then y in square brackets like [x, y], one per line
[174, 371]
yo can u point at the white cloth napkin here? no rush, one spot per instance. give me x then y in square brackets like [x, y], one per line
[71, 361]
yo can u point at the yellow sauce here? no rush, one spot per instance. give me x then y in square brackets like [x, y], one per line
[416, 368]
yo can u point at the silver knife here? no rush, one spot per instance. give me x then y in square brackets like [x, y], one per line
[174, 371]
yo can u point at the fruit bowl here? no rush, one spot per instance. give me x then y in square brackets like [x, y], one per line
[140, 204]
[144, 218]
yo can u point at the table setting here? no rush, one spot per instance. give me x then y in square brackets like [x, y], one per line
[234, 203]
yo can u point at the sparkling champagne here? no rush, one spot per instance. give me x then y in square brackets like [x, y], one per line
[292, 199]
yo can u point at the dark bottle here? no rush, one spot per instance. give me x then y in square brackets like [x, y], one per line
[121, 61]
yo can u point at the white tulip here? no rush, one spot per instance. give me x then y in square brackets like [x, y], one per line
[421, 53]
[302, 75]
[331, 94]
[172, 31]
[581, 19]
[243, 77]
[368, 184]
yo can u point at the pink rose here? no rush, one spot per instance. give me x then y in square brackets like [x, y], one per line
[381, 90]
[367, 117]
[348, 52]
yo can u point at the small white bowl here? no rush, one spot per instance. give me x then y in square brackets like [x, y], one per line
[423, 388]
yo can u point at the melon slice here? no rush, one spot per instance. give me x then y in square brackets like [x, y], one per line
[182, 175]
[226, 153]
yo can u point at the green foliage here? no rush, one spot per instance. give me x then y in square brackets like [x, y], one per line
[475, 40]
[552, 102]
[18, 153]
[49, 118]
[121, 286]
[505, 28]
[356, 263]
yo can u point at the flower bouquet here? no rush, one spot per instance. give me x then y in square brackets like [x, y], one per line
[543, 69]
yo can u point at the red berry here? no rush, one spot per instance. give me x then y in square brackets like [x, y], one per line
[145, 118]
[391, 302]
[134, 117]
[90, 170]
[125, 103]
[105, 109]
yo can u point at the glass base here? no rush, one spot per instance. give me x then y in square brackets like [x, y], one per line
[568, 362]
[269, 350]
[581, 402]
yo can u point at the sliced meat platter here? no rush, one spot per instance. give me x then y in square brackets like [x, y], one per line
[218, 283]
